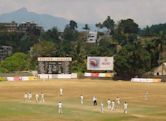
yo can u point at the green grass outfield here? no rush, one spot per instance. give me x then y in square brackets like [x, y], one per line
[13, 108]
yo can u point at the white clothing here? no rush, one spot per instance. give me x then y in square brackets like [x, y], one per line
[82, 99]
[61, 91]
[59, 105]
[102, 108]
[60, 108]
[118, 100]
[30, 97]
[94, 98]
[125, 107]
[42, 97]
[37, 97]
[113, 106]
[109, 104]
[26, 97]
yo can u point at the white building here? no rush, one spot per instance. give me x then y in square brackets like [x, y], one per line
[92, 37]
[161, 70]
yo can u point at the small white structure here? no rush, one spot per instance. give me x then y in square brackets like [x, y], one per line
[161, 70]
[92, 37]
[146, 80]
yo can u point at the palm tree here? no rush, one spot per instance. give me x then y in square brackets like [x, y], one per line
[73, 24]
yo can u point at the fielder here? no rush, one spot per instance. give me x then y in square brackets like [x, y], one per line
[61, 91]
[109, 104]
[29, 97]
[125, 107]
[113, 106]
[37, 98]
[102, 108]
[25, 97]
[94, 101]
[60, 108]
[82, 99]
[118, 100]
[42, 98]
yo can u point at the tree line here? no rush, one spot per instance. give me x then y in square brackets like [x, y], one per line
[135, 50]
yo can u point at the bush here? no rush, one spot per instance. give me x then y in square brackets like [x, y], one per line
[2, 79]
[16, 62]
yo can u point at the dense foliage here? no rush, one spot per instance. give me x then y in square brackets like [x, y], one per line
[136, 51]
[18, 61]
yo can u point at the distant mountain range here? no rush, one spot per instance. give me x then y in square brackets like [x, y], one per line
[44, 20]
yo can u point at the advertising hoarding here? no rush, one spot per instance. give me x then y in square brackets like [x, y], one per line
[100, 63]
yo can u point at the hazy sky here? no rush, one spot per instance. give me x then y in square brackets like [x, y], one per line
[144, 12]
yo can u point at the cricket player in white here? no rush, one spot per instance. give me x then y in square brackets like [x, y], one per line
[109, 104]
[82, 99]
[61, 91]
[30, 97]
[102, 108]
[42, 98]
[60, 108]
[25, 97]
[37, 97]
[125, 107]
[113, 106]
[94, 101]
[118, 100]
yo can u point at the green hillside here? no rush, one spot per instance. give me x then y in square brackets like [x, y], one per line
[135, 50]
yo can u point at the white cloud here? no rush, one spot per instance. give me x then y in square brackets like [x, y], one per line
[91, 11]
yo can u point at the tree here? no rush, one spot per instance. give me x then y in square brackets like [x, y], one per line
[86, 27]
[16, 62]
[52, 35]
[155, 48]
[146, 31]
[34, 31]
[99, 25]
[64, 49]
[79, 57]
[126, 32]
[128, 26]
[107, 46]
[21, 42]
[11, 39]
[26, 42]
[109, 24]
[2, 28]
[73, 25]
[133, 60]
[70, 34]
[43, 48]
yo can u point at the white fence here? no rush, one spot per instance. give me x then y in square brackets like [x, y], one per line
[19, 78]
[145, 80]
[58, 76]
[97, 75]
